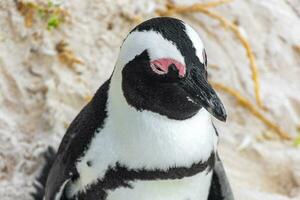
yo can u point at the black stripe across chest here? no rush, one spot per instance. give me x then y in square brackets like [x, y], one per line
[120, 176]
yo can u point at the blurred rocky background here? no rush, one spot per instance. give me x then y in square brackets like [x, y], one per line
[55, 54]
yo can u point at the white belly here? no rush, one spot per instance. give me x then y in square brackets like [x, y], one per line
[189, 188]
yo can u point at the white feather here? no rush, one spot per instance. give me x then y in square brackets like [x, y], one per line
[196, 40]
[157, 46]
[189, 188]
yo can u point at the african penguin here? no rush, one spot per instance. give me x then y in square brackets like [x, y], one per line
[147, 134]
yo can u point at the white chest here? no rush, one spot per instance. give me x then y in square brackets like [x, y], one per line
[189, 188]
[149, 141]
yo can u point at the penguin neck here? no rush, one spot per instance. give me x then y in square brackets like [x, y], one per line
[164, 142]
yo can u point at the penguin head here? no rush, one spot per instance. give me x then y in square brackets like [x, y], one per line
[162, 68]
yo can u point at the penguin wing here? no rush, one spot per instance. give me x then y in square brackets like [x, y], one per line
[75, 142]
[220, 188]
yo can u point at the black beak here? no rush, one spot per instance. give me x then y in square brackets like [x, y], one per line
[201, 92]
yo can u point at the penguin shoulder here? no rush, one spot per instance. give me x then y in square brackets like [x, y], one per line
[75, 142]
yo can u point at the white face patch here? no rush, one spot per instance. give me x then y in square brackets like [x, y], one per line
[196, 40]
[157, 47]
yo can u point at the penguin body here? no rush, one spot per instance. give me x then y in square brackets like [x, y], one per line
[147, 133]
[175, 161]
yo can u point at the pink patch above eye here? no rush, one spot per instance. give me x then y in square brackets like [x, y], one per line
[161, 66]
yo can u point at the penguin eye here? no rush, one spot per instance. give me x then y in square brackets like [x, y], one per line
[204, 58]
[157, 68]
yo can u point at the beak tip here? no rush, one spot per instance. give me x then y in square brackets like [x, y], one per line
[223, 118]
[221, 115]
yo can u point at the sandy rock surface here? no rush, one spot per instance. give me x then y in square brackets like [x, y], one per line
[40, 95]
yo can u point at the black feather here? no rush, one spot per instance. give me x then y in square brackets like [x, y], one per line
[40, 182]
[215, 192]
